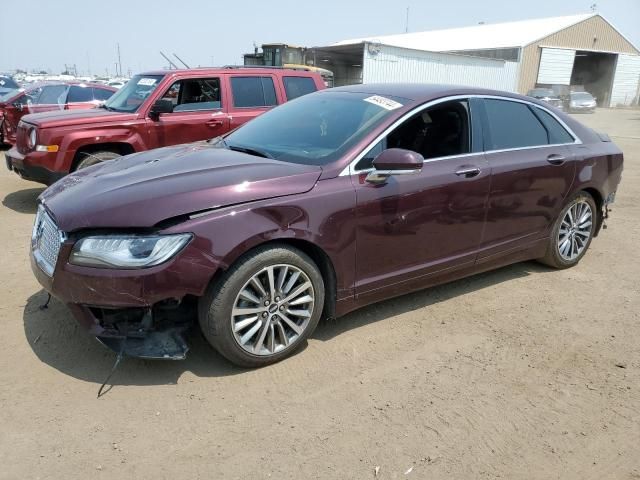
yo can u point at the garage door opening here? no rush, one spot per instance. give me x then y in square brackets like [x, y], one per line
[345, 61]
[593, 72]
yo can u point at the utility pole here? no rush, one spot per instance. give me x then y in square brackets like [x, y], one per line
[119, 67]
[406, 24]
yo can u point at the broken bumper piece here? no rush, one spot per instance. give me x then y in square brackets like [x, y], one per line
[166, 345]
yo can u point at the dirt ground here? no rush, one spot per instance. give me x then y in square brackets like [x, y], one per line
[524, 372]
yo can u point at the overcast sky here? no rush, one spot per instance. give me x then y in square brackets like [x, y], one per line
[46, 34]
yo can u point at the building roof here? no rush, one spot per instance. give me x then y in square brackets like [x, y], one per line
[478, 37]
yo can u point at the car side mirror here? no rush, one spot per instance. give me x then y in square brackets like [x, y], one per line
[19, 106]
[395, 161]
[161, 106]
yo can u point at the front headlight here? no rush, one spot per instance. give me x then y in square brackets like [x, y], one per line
[33, 138]
[127, 251]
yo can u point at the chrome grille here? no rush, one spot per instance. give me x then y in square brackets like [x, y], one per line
[21, 138]
[46, 241]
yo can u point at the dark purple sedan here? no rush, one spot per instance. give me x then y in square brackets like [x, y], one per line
[330, 202]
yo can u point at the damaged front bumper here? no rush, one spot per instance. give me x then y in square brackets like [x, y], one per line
[142, 313]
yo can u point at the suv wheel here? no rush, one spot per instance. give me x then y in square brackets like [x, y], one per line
[264, 307]
[96, 157]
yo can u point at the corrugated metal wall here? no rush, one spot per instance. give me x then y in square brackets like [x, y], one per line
[625, 82]
[393, 64]
[556, 65]
[579, 37]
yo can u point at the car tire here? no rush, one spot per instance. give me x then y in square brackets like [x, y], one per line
[568, 241]
[248, 286]
[94, 158]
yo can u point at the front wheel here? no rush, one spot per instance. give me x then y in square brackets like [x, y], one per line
[264, 307]
[572, 232]
[95, 158]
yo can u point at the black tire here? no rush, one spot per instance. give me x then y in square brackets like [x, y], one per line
[553, 258]
[215, 307]
[94, 158]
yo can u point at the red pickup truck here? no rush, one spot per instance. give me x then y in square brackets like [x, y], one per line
[152, 110]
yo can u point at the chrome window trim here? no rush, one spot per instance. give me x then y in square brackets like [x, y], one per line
[350, 169]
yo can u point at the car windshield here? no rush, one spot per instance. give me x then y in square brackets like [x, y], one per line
[133, 94]
[8, 83]
[315, 129]
[581, 96]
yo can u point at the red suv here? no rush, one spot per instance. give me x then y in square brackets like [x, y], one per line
[152, 110]
[44, 98]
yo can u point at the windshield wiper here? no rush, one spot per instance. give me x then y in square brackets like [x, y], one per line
[250, 151]
[109, 109]
[219, 140]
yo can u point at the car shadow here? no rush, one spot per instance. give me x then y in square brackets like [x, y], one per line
[23, 201]
[61, 343]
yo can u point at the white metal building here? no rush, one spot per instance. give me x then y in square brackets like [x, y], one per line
[580, 50]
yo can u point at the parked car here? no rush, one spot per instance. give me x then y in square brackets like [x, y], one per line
[47, 97]
[325, 204]
[582, 102]
[154, 109]
[117, 83]
[7, 84]
[547, 95]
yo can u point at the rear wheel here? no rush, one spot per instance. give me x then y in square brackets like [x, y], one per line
[93, 158]
[264, 307]
[572, 232]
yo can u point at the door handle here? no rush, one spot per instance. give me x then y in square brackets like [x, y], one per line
[468, 172]
[555, 159]
[214, 123]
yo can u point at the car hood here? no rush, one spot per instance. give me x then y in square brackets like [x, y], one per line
[143, 189]
[57, 118]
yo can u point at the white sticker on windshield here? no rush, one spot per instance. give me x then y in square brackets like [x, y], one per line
[147, 81]
[383, 102]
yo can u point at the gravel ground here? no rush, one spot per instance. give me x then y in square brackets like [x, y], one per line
[524, 372]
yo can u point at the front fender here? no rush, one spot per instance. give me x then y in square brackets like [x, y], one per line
[72, 141]
[323, 217]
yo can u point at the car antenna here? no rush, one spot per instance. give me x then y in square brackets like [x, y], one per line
[181, 61]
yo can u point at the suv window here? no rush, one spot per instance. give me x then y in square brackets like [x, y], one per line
[557, 133]
[52, 95]
[253, 92]
[102, 94]
[297, 86]
[194, 94]
[513, 125]
[79, 94]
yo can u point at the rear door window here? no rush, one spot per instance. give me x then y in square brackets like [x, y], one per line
[79, 94]
[513, 125]
[253, 92]
[298, 86]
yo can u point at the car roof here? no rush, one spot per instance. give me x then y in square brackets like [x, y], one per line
[219, 70]
[31, 86]
[423, 92]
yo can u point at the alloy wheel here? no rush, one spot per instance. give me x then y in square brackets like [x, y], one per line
[575, 231]
[272, 309]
